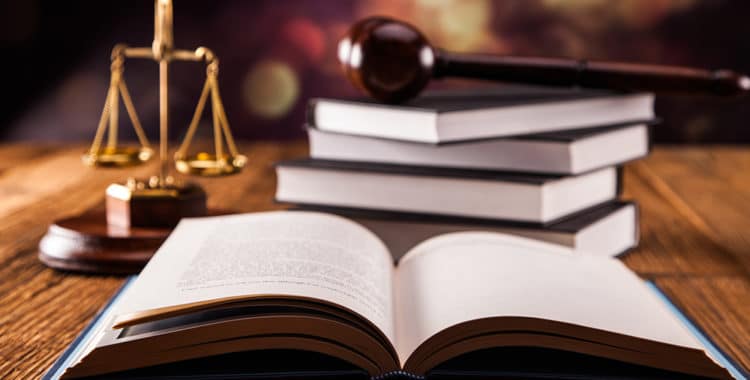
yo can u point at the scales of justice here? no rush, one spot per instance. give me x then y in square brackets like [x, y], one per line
[139, 214]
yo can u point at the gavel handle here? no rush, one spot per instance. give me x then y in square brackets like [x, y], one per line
[592, 74]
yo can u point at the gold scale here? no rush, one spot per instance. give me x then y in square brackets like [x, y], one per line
[138, 215]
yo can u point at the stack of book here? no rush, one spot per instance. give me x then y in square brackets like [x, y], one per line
[535, 162]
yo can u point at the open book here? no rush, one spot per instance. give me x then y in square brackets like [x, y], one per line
[323, 284]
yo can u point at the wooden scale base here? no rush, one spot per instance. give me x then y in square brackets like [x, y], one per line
[86, 243]
[121, 236]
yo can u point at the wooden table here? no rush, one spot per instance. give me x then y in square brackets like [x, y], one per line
[695, 244]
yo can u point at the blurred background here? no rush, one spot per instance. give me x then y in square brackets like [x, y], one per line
[275, 55]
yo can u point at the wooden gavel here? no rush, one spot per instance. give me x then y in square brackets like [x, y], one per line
[392, 61]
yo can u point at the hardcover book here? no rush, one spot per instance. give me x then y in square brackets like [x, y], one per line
[285, 282]
[563, 152]
[479, 194]
[440, 117]
[607, 230]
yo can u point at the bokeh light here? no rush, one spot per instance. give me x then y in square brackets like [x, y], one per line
[307, 37]
[602, 14]
[333, 33]
[270, 89]
[458, 25]
[277, 54]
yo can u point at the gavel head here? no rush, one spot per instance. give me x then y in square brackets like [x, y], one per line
[387, 59]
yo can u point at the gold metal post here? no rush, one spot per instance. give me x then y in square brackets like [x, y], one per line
[114, 101]
[163, 122]
[162, 48]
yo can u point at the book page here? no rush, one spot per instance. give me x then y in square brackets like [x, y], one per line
[295, 254]
[465, 276]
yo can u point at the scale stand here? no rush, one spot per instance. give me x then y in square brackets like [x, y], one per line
[139, 214]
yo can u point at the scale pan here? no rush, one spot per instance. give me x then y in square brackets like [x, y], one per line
[209, 165]
[117, 157]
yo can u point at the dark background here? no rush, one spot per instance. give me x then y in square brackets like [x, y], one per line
[277, 54]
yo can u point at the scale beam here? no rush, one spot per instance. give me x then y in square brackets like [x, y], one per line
[162, 51]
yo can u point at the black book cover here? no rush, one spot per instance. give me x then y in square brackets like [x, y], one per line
[570, 224]
[408, 170]
[522, 178]
[478, 98]
[572, 135]
[562, 136]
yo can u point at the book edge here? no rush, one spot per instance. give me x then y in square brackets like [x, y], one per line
[439, 115]
[546, 98]
[63, 362]
[426, 171]
[353, 213]
[542, 136]
[708, 344]
[570, 146]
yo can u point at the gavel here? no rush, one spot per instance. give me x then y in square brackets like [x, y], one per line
[392, 62]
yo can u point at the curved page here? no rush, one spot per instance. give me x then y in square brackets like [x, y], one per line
[289, 254]
[467, 276]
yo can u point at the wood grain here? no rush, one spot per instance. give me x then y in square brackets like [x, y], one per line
[707, 187]
[673, 240]
[719, 305]
[694, 241]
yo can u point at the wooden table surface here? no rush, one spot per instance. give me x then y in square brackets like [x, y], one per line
[695, 243]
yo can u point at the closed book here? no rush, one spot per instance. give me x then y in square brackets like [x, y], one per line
[441, 117]
[441, 191]
[291, 295]
[607, 230]
[563, 152]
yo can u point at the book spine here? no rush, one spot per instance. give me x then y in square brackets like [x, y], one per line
[620, 179]
[310, 113]
[650, 134]
[398, 375]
